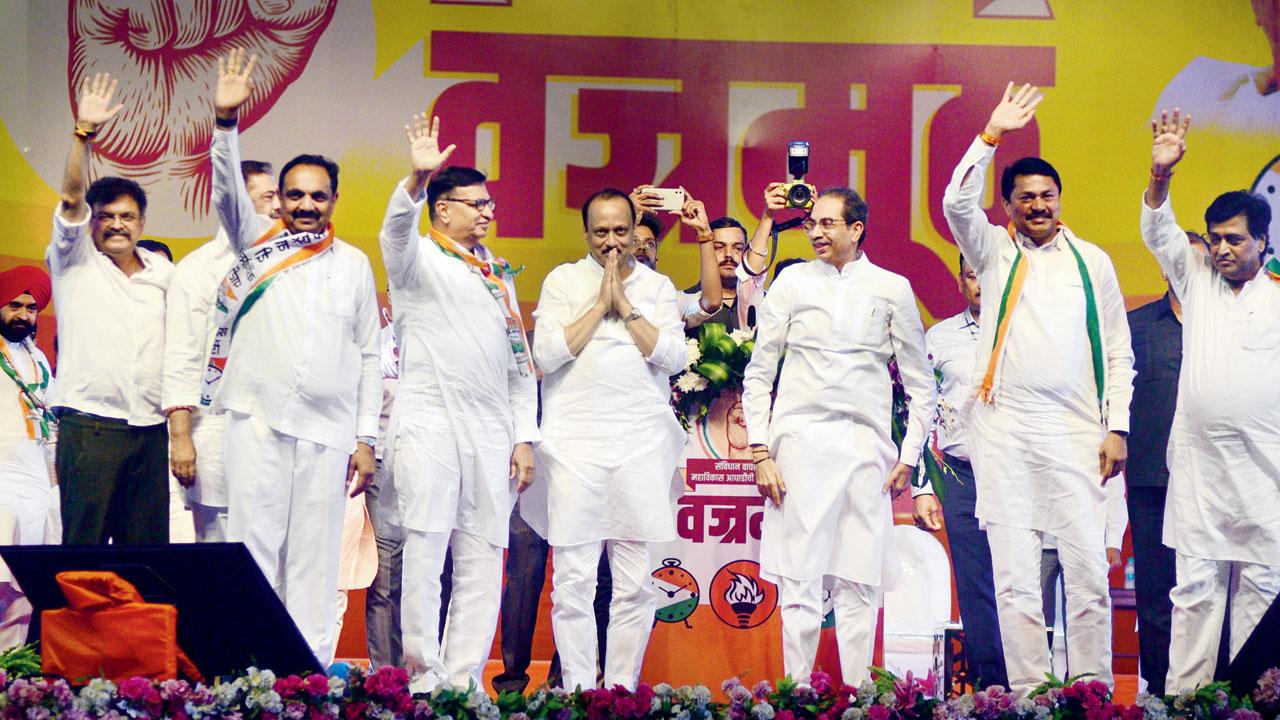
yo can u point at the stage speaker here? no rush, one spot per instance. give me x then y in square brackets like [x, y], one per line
[229, 618]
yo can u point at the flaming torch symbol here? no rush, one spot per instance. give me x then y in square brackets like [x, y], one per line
[744, 596]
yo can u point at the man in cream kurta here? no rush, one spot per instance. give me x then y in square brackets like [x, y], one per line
[609, 336]
[1049, 426]
[465, 411]
[301, 382]
[1222, 516]
[189, 331]
[826, 458]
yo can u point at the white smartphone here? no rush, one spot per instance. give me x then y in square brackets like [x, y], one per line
[671, 198]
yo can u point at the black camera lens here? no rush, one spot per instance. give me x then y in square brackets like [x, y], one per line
[799, 195]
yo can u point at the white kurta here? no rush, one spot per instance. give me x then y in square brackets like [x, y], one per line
[24, 463]
[610, 440]
[830, 431]
[189, 331]
[462, 402]
[27, 501]
[1035, 449]
[1224, 448]
[305, 359]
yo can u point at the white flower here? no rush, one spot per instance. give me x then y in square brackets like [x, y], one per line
[740, 336]
[337, 686]
[691, 382]
[695, 352]
[96, 696]
[701, 693]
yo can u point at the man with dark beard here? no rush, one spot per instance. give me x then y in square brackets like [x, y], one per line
[26, 428]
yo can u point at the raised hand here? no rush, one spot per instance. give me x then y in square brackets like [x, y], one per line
[694, 214]
[235, 83]
[94, 108]
[1168, 143]
[424, 145]
[775, 198]
[1015, 110]
[644, 201]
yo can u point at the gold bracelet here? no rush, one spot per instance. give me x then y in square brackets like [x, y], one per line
[84, 134]
[988, 139]
[704, 239]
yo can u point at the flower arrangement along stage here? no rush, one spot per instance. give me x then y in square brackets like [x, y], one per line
[717, 359]
[384, 695]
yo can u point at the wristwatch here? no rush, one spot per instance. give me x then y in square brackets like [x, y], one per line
[368, 440]
[635, 315]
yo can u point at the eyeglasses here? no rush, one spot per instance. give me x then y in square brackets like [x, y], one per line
[647, 244]
[480, 205]
[106, 217]
[827, 224]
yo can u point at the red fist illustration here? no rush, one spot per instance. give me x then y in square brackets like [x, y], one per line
[165, 55]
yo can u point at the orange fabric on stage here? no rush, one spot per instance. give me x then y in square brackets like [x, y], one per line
[108, 630]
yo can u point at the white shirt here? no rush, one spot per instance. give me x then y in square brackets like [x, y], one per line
[839, 328]
[952, 344]
[189, 320]
[456, 369]
[1224, 447]
[1035, 448]
[110, 327]
[305, 359]
[610, 440]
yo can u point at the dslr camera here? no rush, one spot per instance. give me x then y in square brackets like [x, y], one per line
[798, 194]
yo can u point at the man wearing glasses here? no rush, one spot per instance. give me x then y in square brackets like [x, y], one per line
[826, 460]
[112, 456]
[466, 409]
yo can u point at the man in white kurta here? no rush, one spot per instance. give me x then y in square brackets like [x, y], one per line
[301, 383]
[1054, 393]
[1222, 516]
[26, 431]
[195, 434]
[826, 457]
[465, 412]
[609, 336]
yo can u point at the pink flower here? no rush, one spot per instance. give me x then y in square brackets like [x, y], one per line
[288, 687]
[878, 712]
[317, 684]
